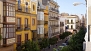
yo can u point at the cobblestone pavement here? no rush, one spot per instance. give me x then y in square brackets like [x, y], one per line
[54, 46]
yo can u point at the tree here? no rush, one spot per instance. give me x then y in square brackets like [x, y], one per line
[53, 40]
[66, 48]
[30, 46]
[64, 35]
[44, 43]
[76, 41]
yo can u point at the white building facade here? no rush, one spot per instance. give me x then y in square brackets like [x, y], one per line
[1, 21]
[71, 23]
[40, 19]
[62, 23]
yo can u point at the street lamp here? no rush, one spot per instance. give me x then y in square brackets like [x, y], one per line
[77, 3]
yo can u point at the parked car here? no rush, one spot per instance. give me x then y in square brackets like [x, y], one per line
[64, 44]
[60, 48]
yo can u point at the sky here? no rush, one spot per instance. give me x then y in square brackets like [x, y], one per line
[68, 7]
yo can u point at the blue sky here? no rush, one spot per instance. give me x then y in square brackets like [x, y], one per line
[67, 6]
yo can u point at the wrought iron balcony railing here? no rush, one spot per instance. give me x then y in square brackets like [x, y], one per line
[56, 25]
[46, 22]
[22, 8]
[19, 27]
[26, 27]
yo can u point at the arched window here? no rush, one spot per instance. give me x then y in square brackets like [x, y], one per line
[33, 7]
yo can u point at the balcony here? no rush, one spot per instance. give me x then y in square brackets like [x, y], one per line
[54, 10]
[8, 41]
[61, 24]
[23, 9]
[46, 22]
[19, 27]
[42, 7]
[72, 23]
[26, 27]
[56, 25]
[56, 18]
[46, 34]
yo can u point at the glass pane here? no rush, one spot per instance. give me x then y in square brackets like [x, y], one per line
[4, 31]
[7, 13]
[7, 7]
[7, 29]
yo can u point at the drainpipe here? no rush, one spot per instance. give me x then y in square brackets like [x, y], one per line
[89, 33]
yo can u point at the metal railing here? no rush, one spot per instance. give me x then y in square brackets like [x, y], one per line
[22, 8]
[19, 27]
[26, 27]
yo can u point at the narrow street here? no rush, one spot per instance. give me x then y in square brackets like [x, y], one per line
[54, 46]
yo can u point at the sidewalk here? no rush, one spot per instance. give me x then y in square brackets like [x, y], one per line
[54, 46]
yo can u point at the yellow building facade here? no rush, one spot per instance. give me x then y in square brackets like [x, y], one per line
[46, 15]
[34, 19]
[26, 24]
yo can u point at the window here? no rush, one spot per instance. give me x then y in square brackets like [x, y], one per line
[9, 9]
[9, 31]
[71, 21]
[18, 21]
[26, 37]
[19, 2]
[40, 30]
[33, 7]
[33, 21]
[68, 26]
[18, 38]
[68, 21]
[26, 8]
[26, 22]
[71, 26]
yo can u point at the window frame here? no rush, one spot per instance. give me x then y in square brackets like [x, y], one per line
[8, 31]
[26, 22]
[33, 21]
[9, 9]
[26, 37]
[19, 24]
[33, 7]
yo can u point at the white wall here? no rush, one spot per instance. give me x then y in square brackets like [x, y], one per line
[74, 22]
[62, 19]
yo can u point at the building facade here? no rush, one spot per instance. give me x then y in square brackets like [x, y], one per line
[62, 23]
[53, 19]
[71, 23]
[34, 19]
[87, 42]
[46, 17]
[40, 19]
[1, 20]
[26, 24]
[8, 19]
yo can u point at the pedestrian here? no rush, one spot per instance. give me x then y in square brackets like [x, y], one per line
[56, 44]
[49, 46]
